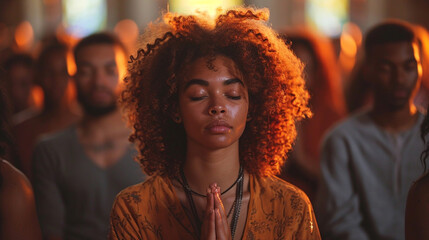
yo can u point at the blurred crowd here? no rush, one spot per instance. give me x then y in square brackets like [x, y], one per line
[356, 157]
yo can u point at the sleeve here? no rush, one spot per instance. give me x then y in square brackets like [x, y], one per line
[49, 203]
[337, 202]
[308, 228]
[123, 225]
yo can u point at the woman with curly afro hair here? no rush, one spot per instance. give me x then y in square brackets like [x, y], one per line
[213, 105]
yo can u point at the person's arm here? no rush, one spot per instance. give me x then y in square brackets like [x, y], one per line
[417, 211]
[337, 203]
[49, 203]
[18, 210]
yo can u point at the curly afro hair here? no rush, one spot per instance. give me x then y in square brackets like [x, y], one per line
[271, 72]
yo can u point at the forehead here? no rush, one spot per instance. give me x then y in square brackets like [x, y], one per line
[96, 53]
[395, 51]
[210, 68]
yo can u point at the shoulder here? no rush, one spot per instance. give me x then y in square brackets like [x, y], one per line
[17, 205]
[417, 210]
[58, 137]
[280, 190]
[16, 189]
[14, 181]
[282, 206]
[140, 192]
[57, 141]
[418, 191]
[350, 124]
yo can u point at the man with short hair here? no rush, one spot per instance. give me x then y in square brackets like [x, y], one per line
[78, 172]
[370, 160]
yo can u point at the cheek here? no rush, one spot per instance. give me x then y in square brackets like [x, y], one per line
[239, 114]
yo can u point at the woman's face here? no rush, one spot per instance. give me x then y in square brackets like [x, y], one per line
[213, 103]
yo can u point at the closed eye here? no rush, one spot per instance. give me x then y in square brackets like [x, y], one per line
[235, 97]
[197, 98]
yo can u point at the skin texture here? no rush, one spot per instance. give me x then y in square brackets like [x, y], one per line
[213, 106]
[395, 71]
[97, 81]
[97, 75]
[417, 211]
[219, 99]
[394, 67]
[20, 221]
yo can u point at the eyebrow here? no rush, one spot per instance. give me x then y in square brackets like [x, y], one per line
[232, 81]
[206, 83]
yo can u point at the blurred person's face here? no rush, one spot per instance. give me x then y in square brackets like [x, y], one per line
[97, 78]
[19, 84]
[54, 76]
[213, 103]
[395, 71]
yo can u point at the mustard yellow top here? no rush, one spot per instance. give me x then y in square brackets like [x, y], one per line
[151, 210]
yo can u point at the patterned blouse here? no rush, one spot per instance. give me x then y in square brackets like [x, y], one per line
[151, 210]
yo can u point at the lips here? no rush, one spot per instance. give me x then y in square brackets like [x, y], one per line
[219, 127]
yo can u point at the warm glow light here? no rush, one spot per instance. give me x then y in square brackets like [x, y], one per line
[121, 63]
[347, 63]
[37, 96]
[209, 6]
[348, 45]
[71, 64]
[24, 36]
[128, 32]
[354, 31]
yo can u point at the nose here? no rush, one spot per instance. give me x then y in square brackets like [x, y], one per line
[400, 77]
[216, 109]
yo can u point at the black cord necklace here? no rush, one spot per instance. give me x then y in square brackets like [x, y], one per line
[185, 184]
[237, 201]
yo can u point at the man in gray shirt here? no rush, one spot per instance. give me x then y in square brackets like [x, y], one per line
[78, 172]
[370, 160]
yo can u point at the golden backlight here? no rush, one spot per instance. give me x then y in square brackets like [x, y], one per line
[209, 6]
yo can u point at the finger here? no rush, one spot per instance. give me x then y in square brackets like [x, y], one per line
[219, 204]
[218, 201]
[220, 229]
[209, 230]
[208, 226]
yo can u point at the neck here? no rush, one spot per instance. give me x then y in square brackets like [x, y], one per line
[204, 167]
[395, 120]
[104, 126]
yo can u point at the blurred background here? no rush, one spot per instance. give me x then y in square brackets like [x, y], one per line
[24, 23]
[326, 36]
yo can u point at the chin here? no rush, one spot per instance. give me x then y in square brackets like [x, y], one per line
[219, 144]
